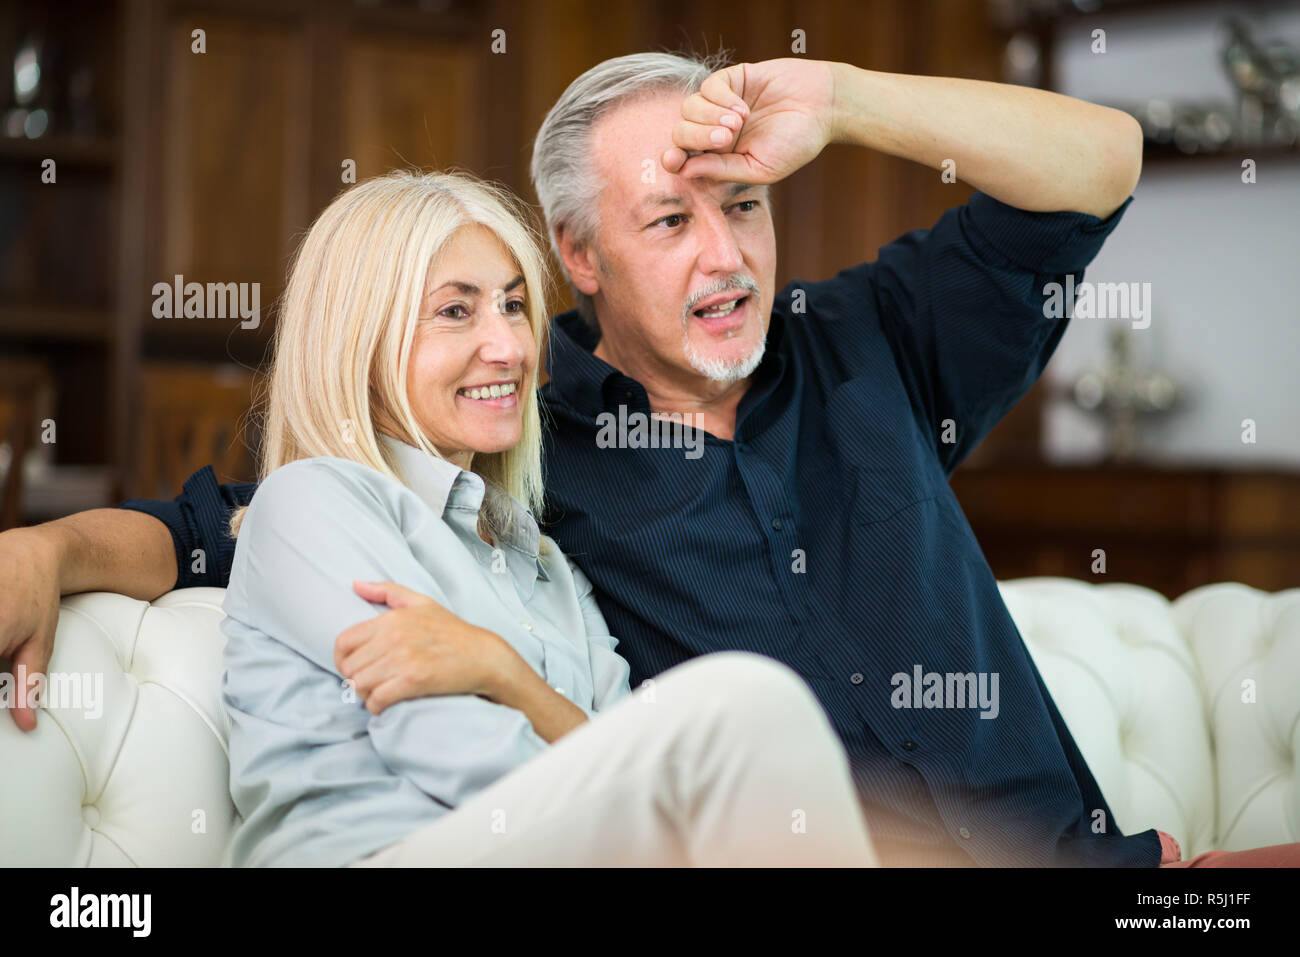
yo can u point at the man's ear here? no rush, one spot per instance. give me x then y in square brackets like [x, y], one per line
[579, 261]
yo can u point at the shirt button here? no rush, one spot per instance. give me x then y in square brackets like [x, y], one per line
[527, 625]
[776, 524]
[909, 745]
[856, 677]
[964, 833]
[741, 447]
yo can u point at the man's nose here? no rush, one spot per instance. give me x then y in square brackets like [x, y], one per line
[719, 251]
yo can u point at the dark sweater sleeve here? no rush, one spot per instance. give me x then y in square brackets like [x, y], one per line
[198, 520]
[962, 307]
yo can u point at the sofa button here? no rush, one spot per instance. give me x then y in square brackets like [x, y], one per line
[90, 814]
[964, 833]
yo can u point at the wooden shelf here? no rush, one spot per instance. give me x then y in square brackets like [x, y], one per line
[62, 323]
[1065, 11]
[1171, 529]
[95, 152]
[1163, 153]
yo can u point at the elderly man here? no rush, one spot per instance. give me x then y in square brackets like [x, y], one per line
[797, 505]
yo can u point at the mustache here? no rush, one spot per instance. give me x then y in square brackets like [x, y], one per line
[734, 283]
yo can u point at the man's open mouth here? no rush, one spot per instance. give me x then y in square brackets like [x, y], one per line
[722, 309]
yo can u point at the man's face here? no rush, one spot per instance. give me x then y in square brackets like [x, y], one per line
[670, 246]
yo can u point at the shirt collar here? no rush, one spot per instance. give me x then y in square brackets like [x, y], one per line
[578, 376]
[441, 485]
[591, 385]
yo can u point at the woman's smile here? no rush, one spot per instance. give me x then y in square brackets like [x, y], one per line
[501, 394]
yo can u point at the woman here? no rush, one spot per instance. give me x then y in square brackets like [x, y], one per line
[401, 468]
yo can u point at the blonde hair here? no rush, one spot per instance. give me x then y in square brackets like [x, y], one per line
[348, 317]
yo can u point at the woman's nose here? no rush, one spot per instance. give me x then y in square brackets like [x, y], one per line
[501, 339]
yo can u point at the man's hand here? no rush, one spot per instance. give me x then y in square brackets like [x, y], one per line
[104, 549]
[755, 122]
[417, 648]
[29, 607]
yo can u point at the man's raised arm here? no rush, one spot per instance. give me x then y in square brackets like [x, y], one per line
[1032, 149]
[1028, 148]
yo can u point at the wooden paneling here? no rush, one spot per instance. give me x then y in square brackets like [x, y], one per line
[212, 165]
[235, 152]
[412, 102]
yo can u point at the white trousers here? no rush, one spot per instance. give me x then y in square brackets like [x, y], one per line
[725, 760]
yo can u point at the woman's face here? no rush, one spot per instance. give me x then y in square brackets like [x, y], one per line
[473, 356]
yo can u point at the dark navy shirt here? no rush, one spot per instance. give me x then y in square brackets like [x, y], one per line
[826, 535]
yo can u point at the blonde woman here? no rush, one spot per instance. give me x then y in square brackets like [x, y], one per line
[402, 469]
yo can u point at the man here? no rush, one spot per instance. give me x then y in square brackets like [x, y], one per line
[815, 525]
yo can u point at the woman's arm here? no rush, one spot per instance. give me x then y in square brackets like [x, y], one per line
[516, 685]
[420, 648]
[314, 528]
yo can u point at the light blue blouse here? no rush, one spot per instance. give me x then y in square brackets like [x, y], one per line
[318, 780]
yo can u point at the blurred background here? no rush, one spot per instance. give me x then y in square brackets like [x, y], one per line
[128, 156]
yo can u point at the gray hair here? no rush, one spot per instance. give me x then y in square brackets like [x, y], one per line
[562, 171]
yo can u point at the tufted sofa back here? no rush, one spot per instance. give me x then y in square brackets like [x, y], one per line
[1186, 712]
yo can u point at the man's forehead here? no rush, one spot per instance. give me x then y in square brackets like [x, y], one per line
[657, 196]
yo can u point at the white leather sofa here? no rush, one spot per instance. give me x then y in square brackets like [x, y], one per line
[1187, 712]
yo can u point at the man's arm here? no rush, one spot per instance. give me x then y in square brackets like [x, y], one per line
[105, 549]
[142, 549]
[1035, 150]
[1029, 148]
[110, 549]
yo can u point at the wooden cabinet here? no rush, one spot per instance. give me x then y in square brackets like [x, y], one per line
[209, 165]
[1170, 530]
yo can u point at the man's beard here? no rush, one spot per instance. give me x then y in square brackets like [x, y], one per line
[723, 370]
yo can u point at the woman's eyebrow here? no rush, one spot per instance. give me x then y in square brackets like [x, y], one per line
[469, 289]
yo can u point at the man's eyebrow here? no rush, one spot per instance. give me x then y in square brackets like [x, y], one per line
[469, 289]
[671, 199]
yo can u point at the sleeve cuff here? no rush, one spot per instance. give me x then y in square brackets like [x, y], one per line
[1057, 242]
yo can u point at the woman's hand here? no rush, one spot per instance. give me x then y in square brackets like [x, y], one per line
[418, 648]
